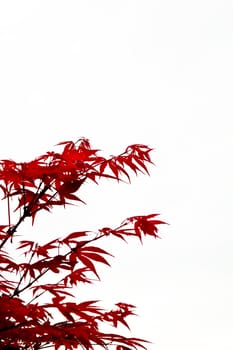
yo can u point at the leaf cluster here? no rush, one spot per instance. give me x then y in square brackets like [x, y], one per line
[27, 320]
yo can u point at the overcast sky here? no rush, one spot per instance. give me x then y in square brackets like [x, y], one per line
[124, 72]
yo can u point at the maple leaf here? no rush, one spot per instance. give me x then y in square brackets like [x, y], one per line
[72, 237]
[77, 276]
[145, 224]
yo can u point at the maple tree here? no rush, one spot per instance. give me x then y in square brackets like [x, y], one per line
[27, 320]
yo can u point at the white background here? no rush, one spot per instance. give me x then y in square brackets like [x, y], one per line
[124, 72]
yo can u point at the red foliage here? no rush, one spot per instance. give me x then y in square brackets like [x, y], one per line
[27, 322]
